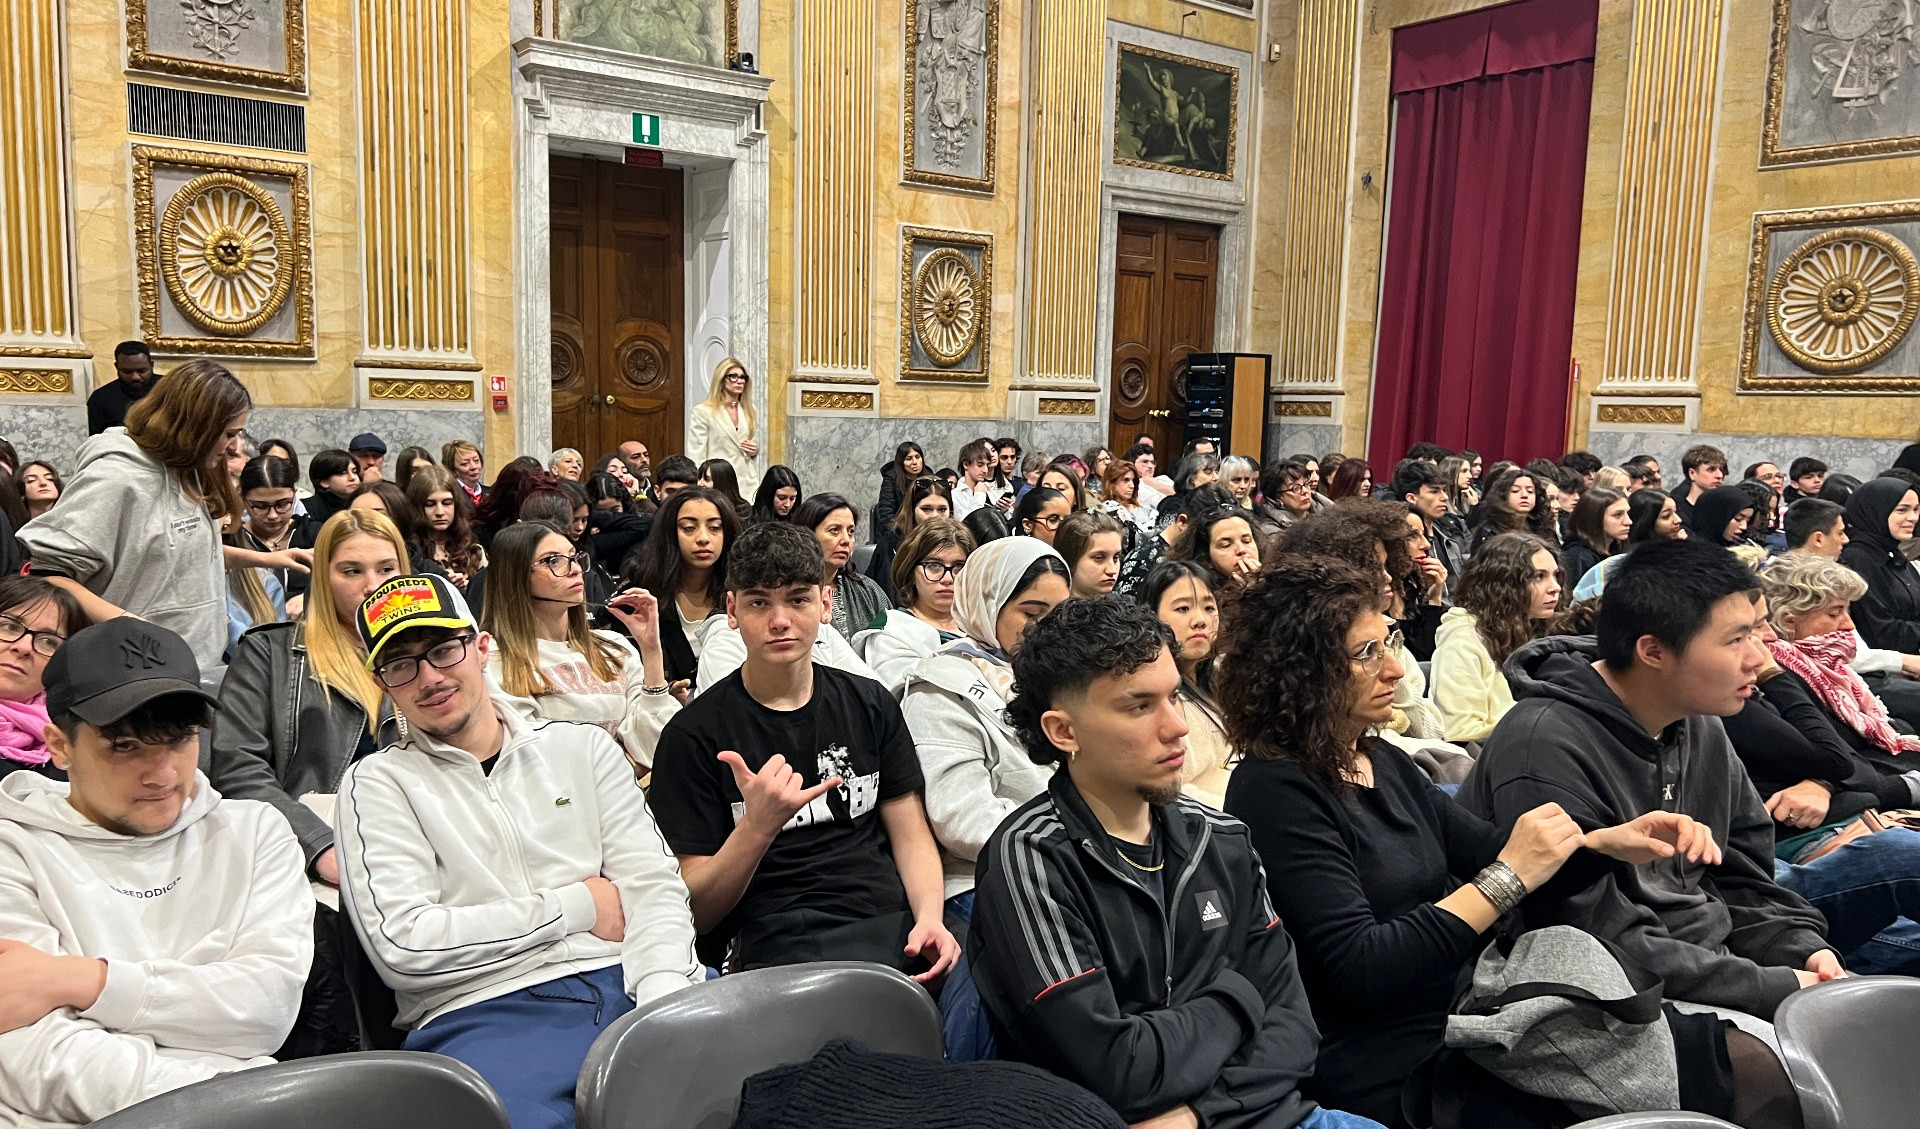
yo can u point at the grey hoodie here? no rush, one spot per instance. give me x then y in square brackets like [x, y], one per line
[1728, 935]
[125, 530]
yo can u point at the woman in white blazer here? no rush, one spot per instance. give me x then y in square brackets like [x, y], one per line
[722, 426]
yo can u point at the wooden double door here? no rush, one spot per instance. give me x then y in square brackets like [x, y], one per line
[619, 309]
[1165, 273]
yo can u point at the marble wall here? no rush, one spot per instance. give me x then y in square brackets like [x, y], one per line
[55, 433]
[1297, 438]
[1861, 458]
[845, 455]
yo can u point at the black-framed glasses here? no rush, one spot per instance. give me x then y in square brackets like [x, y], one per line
[285, 507]
[44, 644]
[399, 672]
[563, 564]
[936, 571]
[1301, 487]
[1373, 656]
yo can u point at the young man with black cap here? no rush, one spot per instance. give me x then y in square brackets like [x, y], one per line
[1122, 934]
[503, 877]
[152, 934]
[369, 451]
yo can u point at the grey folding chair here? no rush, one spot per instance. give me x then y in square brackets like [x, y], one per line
[364, 1090]
[1842, 1046]
[678, 1062]
[1670, 1119]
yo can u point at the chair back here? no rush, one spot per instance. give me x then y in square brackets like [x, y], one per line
[678, 1062]
[364, 1090]
[1840, 1044]
[1664, 1119]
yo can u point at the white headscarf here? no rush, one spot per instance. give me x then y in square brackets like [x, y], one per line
[991, 579]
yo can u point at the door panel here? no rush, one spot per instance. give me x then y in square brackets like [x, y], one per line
[618, 298]
[1165, 273]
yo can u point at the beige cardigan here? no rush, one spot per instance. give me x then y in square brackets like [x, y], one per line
[711, 435]
[1468, 687]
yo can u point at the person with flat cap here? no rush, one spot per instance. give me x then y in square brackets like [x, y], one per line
[152, 933]
[369, 452]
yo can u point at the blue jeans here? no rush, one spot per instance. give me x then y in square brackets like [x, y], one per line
[963, 1021]
[1869, 891]
[1334, 1119]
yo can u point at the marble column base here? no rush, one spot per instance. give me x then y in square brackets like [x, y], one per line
[55, 433]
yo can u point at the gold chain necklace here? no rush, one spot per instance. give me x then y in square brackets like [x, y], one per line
[1161, 865]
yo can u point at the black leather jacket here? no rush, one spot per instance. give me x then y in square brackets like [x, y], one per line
[278, 735]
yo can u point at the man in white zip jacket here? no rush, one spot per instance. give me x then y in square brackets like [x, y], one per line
[152, 934]
[505, 878]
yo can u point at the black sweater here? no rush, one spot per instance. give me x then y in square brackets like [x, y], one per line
[1785, 735]
[1355, 879]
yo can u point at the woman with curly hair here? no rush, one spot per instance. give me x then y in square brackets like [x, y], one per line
[1120, 493]
[1511, 589]
[1517, 501]
[1384, 883]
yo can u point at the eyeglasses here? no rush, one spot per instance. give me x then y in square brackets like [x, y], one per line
[1051, 521]
[1298, 488]
[1373, 656]
[45, 643]
[936, 571]
[399, 672]
[563, 564]
[285, 507]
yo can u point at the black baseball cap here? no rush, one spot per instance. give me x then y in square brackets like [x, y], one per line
[366, 441]
[105, 672]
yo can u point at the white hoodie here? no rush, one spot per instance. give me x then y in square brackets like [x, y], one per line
[206, 928]
[466, 887]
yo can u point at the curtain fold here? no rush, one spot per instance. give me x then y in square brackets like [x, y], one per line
[1482, 259]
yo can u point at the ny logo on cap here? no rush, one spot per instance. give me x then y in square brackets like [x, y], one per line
[141, 649]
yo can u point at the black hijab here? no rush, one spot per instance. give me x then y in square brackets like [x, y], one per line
[1909, 458]
[1714, 509]
[1867, 513]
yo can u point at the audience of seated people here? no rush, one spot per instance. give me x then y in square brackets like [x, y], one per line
[1087, 664]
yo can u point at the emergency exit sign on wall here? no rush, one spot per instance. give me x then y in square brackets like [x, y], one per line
[646, 129]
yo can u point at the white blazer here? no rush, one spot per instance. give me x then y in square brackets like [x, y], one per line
[711, 435]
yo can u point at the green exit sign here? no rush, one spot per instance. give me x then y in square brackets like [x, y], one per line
[646, 129]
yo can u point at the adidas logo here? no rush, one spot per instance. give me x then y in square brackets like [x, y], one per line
[1210, 912]
[562, 801]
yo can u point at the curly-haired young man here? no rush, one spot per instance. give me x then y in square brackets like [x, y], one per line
[1122, 935]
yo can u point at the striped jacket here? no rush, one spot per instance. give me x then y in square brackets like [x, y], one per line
[1084, 974]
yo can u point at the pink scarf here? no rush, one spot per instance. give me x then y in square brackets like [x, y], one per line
[1822, 662]
[23, 727]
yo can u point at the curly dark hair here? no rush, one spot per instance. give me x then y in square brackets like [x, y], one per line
[1496, 511]
[1352, 530]
[1497, 588]
[1077, 642]
[1289, 694]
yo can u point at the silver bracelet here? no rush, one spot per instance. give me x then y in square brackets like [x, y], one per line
[1501, 886]
[655, 690]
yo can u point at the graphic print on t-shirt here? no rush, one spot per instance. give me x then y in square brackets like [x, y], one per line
[856, 795]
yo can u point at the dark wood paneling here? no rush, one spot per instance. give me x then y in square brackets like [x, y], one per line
[1165, 276]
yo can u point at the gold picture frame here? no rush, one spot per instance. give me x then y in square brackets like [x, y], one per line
[946, 305]
[1838, 56]
[911, 155]
[1136, 131]
[155, 283]
[1758, 315]
[141, 56]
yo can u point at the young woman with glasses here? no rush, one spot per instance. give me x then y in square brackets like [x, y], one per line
[926, 570]
[1040, 512]
[548, 663]
[35, 619]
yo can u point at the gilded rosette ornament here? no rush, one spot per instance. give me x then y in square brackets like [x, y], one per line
[1843, 300]
[226, 254]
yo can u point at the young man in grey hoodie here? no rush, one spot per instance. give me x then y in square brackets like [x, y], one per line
[1677, 649]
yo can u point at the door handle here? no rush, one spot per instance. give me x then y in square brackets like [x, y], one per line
[1159, 413]
[609, 398]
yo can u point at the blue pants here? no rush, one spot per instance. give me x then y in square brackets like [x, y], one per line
[963, 1021]
[1869, 891]
[1334, 1119]
[529, 1044]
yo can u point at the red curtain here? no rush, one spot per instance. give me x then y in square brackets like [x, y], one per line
[1483, 238]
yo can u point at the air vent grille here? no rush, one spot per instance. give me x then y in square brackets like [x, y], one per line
[222, 119]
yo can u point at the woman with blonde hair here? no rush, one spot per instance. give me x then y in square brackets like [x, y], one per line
[549, 663]
[138, 530]
[722, 426]
[297, 705]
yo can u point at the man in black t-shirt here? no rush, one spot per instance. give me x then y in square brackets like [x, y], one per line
[133, 376]
[791, 791]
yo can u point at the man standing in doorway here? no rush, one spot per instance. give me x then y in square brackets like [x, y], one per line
[133, 370]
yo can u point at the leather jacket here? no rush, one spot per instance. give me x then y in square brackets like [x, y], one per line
[279, 735]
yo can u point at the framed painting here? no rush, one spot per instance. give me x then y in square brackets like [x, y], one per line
[952, 54]
[1843, 81]
[1175, 114]
[946, 305]
[703, 32]
[256, 43]
[1832, 296]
